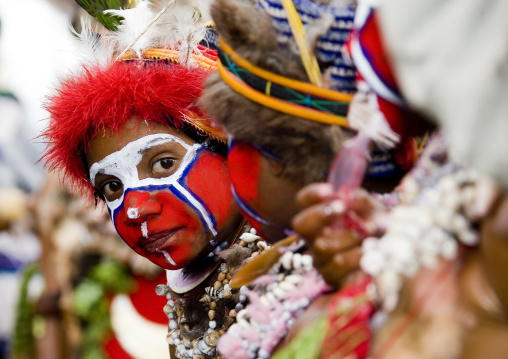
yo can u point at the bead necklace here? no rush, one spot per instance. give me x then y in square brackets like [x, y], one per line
[275, 301]
[436, 216]
[217, 298]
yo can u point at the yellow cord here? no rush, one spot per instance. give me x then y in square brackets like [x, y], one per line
[423, 142]
[271, 102]
[284, 81]
[268, 88]
[308, 58]
[173, 56]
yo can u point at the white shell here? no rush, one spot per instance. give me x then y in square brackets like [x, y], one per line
[293, 278]
[249, 237]
[262, 245]
[279, 293]
[287, 286]
[161, 289]
[286, 260]
[307, 261]
[297, 260]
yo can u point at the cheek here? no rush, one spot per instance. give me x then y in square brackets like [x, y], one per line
[175, 213]
[209, 180]
[244, 163]
[244, 167]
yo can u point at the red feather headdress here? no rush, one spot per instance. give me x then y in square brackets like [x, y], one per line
[147, 83]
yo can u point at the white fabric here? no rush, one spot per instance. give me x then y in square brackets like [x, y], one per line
[138, 336]
[451, 61]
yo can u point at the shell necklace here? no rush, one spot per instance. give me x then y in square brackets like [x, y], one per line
[219, 301]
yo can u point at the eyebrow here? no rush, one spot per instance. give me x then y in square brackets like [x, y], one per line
[99, 174]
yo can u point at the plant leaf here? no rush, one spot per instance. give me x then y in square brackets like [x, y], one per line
[96, 9]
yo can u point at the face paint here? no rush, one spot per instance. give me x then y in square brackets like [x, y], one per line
[244, 163]
[171, 219]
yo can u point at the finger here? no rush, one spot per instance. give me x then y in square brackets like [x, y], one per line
[334, 242]
[342, 263]
[310, 222]
[313, 194]
[361, 202]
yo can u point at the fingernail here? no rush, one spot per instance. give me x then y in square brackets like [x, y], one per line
[337, 206]
[324, 190]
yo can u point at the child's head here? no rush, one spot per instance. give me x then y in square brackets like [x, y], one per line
[272, 154]
[130, 133]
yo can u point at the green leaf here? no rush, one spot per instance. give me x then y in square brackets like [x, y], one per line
[307, 344]
[96, 9]
[87, 296]
[113, 276]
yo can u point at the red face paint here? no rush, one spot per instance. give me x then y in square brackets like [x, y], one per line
[244, 163]
[244, 168]
[168, 229]
[174, 227]
[210, 181]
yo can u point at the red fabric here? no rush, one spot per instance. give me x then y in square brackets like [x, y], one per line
[114, 350]
[146, 302]
[406, 153]
[374, 49]
[348, 332]
[104, 97]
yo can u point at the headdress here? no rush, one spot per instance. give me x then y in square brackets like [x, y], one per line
[325, 94]
[255, 59]
[151, 64]
[317, 84]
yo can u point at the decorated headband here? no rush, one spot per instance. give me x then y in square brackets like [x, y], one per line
[309, 100]
[296, 98]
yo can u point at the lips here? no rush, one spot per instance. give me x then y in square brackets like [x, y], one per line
[156, 241]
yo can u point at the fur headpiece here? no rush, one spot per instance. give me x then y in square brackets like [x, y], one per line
[123, 78]
[250, 32]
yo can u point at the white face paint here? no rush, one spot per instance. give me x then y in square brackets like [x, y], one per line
[123, 164]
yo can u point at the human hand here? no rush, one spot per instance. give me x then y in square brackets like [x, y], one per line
[336, 249]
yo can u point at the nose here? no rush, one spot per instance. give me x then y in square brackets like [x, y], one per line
[139, 205]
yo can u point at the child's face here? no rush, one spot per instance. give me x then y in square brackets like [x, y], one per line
[264, 197]
[169, 197]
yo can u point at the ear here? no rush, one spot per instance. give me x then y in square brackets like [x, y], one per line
[243, 26]
[276, 168]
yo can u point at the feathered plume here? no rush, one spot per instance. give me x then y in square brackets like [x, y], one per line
[95, 45]
[178, 24]
[136, 29]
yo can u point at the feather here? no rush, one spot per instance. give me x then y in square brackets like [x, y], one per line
[135, 22]
[182, 24]
[178, 24]
[94, 46]
[260, 265]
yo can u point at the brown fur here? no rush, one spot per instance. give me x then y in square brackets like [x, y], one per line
[306, 147]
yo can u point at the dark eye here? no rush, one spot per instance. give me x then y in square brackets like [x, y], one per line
[163, 165]
[112, 190]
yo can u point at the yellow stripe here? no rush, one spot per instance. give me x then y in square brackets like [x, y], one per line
[276, 104]
[172, 55]
[268, 88]
[284, 81]
[308, 58]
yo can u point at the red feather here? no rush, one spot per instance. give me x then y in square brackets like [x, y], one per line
[104, 97]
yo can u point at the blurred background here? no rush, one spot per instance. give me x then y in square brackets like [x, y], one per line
[69, 287]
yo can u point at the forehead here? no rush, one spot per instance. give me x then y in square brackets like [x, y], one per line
[107, 142]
